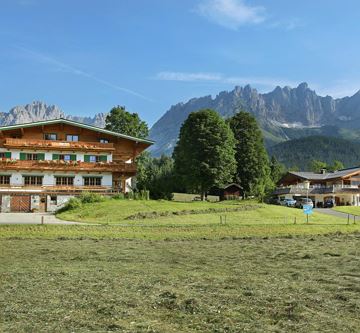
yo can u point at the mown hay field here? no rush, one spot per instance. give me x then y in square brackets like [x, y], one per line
[272, 284]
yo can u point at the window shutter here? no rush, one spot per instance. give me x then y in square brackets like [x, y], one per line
[22, 156]
[86, 158]
[103, 158]
[73, 157]
[55, 156]
[41, 156]
[8, 154]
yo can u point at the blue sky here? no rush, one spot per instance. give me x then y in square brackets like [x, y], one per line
[88, 55]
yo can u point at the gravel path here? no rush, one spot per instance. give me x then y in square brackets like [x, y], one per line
[329, 211]
[31, 218]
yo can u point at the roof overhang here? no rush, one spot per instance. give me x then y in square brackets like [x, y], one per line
[77, 124]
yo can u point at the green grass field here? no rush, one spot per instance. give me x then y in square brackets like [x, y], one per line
[181, 270]
[348, 210]
[301, 284]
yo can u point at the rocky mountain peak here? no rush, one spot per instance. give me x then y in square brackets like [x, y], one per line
[38, 110]
[281, 108]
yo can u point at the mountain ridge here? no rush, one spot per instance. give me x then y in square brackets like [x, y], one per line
[279, 109]
[38, 110]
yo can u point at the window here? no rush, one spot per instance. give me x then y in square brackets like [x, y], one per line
[5, 154]
[4, 180]
[31, 157]
[95, 158]
[33, 180]
[104, 141]
[71, 137]
[92, 181]
[50, 136]
[53, 200]
[65, 157]
[66, 180]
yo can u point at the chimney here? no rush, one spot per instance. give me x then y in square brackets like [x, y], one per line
[323, 171]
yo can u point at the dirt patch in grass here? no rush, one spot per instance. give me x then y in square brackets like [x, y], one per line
[298, 284]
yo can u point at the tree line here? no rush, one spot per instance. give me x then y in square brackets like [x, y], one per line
[211, 152]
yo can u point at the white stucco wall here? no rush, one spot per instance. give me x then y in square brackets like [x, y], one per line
[128, 184]
[16, 179]
[5, 204]
[15, 154]
[60, 202]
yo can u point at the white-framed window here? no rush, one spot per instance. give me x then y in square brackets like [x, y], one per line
[104, 141]
[72, 137]
[50, 136]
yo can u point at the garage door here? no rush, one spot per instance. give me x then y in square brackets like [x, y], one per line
[20, 203]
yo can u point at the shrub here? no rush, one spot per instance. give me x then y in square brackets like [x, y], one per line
[90, 197]
[73, 203]
[119, 196]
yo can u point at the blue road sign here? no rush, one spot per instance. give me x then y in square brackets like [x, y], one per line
[307, 209]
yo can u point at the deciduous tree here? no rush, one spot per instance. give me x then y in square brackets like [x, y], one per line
[121, 121]
[204, 154]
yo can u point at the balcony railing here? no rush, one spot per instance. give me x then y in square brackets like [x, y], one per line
[317, 188]
[57, 145]
[20, 188]
[60, 165]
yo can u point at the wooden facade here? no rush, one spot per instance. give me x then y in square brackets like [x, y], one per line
[65, 157]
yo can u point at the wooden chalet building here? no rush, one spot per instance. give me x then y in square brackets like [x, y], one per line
[342, 186]
[43, 164]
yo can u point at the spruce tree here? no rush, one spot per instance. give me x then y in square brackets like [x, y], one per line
[253, 171]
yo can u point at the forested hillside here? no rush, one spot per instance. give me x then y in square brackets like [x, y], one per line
[300, 152]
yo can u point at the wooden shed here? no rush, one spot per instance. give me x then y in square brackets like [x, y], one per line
[231, 192]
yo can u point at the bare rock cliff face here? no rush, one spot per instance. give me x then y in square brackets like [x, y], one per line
[38, 111]
[285, 107]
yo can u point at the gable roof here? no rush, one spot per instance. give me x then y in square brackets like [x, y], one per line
[328, 175]
[75, 123]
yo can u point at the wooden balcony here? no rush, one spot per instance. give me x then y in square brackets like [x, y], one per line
[58, 145]
[60, 165]
[50, 189]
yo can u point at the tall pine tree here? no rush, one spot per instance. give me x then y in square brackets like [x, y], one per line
[253, 170]
[204, 154]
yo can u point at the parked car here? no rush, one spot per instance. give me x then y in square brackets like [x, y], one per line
[288, 202]
[301, 202]
[329, 203]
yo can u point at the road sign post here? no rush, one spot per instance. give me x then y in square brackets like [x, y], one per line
[307, 210]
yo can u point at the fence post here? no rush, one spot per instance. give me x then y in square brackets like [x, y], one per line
[42, 219]
[295, 220]
[354, 219]
[348, 219]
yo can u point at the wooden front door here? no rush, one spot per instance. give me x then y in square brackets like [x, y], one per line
[42, 206]
[20, 203]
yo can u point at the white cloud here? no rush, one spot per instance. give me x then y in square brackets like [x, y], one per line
[231, 13]
[188, 77]
[61, 66]
[267, 82]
